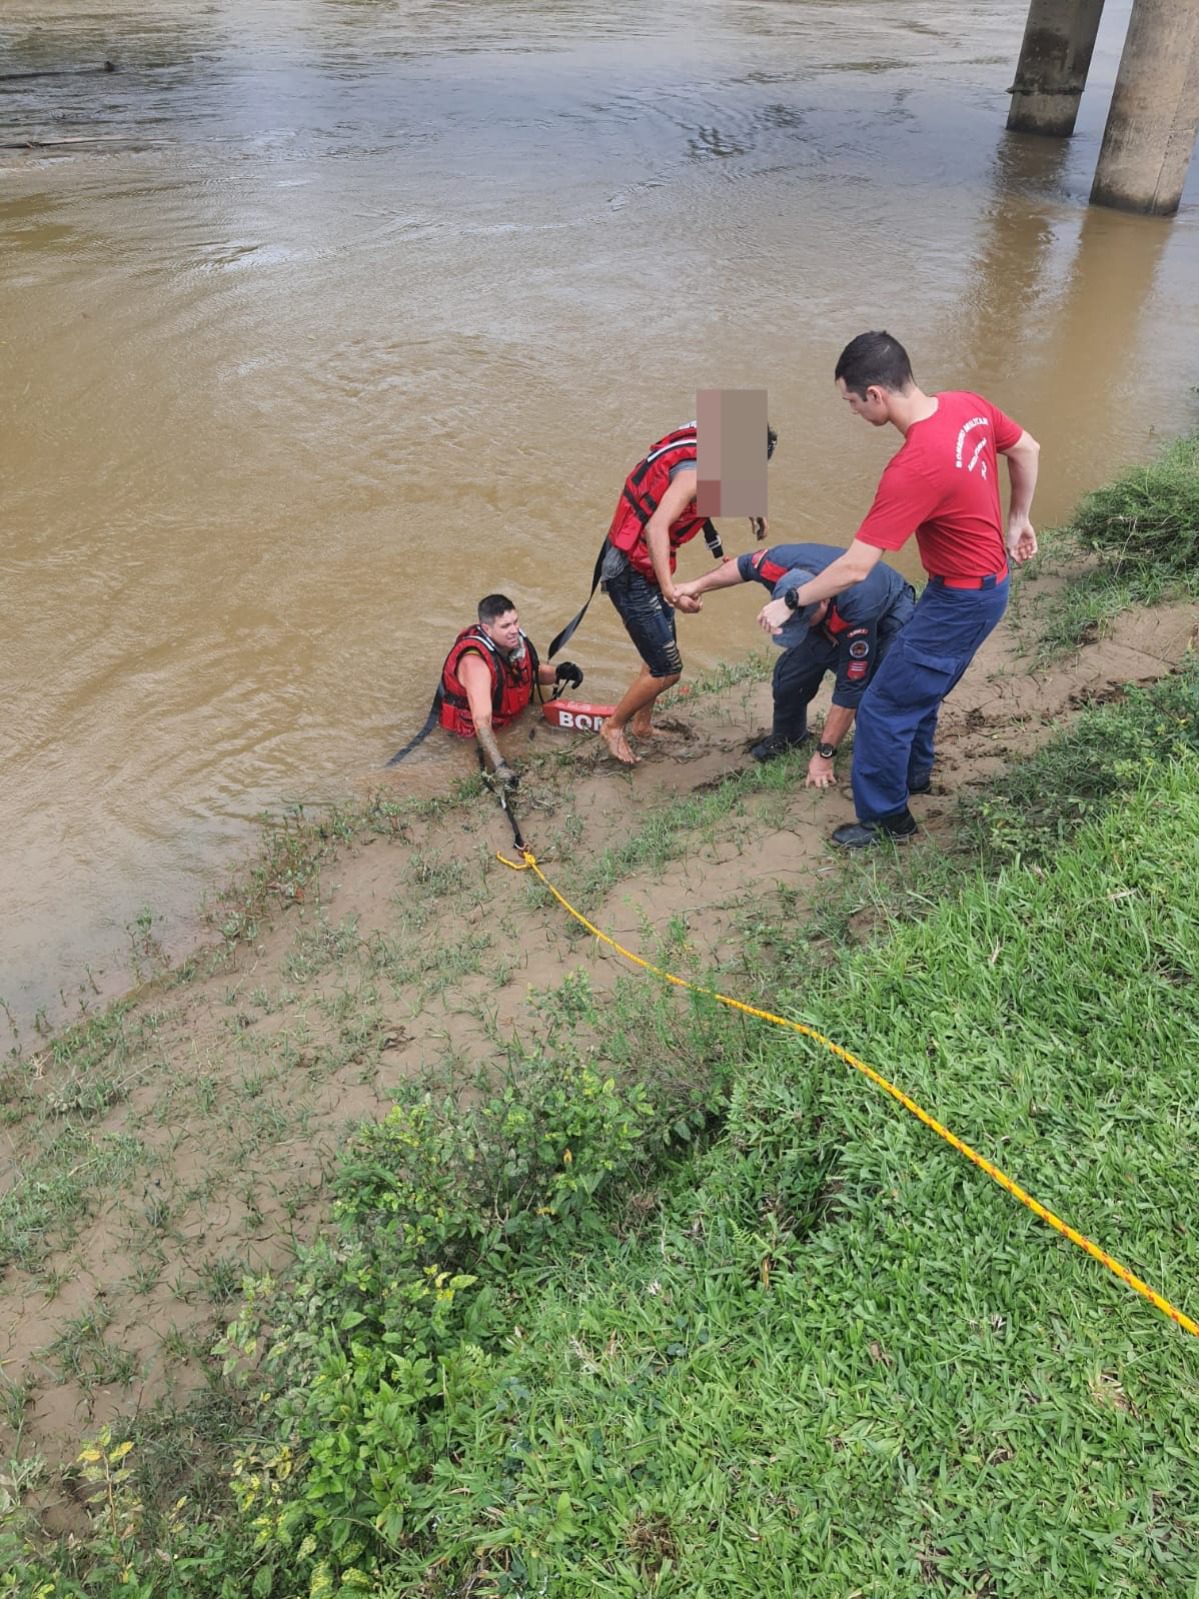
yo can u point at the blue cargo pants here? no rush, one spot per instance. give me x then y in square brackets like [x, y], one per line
[897, 719]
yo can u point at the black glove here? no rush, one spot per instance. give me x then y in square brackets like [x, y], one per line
[505, 778]
[569, 673]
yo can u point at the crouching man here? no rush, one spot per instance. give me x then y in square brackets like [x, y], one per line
[847, 636]
[488, 679]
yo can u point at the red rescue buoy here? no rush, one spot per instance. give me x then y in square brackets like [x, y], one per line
[576, 717]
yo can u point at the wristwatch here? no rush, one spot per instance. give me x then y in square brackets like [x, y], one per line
[791, 599]
[826, 751]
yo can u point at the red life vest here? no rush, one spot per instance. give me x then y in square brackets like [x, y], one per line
[642, 494]
[511, 682]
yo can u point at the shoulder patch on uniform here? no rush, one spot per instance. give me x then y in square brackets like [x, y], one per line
[856, 632]
[856, 669]
[859, 649]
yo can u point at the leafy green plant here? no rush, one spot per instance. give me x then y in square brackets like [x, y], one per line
[375, 1358]
[480, 1183]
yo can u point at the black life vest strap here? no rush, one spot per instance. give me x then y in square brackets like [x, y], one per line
[430, 723]
[642, 510]
[568, 631]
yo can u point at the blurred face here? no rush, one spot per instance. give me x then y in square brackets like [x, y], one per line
[504, 631]
[872, 407]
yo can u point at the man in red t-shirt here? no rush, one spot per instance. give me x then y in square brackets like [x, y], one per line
[943, 485]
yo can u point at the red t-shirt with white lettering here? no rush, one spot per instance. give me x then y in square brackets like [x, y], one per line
[943, 485]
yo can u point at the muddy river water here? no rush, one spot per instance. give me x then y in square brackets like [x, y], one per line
[321, 318]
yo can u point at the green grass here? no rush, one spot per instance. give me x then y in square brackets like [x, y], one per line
[1104, 753]
[1083, 609]
[47, 1198]
[755, 667]
[845, 1362]
[286, 870]
[1144, 530]
[1147, 520]
[84, 1356]
[763, 1333]
[318, 946]
[52, 1101]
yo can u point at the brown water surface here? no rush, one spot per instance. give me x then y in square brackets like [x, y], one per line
[320, 318]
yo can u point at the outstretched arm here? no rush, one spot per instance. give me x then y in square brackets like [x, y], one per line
[724, 576]
[857, 563]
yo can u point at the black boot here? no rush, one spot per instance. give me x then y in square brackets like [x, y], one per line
[862, 835]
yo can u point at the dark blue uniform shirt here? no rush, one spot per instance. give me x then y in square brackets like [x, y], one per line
[850, 639]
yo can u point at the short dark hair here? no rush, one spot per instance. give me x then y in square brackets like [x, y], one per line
[874, 360]
[493, 606]
[772, 439]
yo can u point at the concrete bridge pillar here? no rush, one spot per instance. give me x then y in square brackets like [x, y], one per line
[1059, 38]
[1154, 114]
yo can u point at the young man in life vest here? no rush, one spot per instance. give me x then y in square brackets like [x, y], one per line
[488, 679]
[943, 485]
[654, 517]
[848, 636]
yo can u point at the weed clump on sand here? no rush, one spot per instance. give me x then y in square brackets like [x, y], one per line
[1033, 809]
[1144, 528]
[1147, 521]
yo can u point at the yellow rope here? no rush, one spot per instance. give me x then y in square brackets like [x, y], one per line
[529, 863]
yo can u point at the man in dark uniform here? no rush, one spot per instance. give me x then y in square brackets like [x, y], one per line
[847, 636]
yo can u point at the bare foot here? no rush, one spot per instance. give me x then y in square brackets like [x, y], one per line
[642, 727]
[618, 745]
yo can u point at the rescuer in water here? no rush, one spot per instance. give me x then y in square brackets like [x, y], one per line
[488, 680]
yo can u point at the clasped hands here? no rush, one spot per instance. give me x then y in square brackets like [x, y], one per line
[682, 597]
